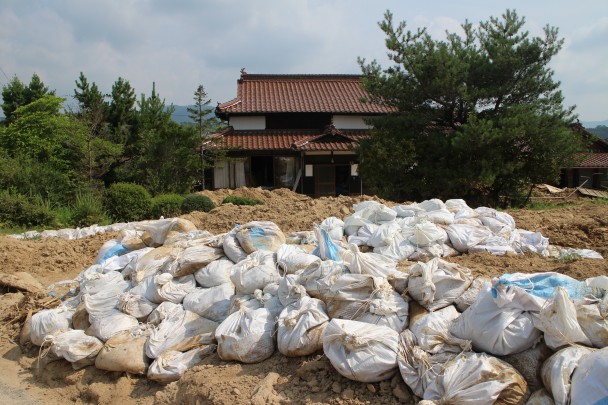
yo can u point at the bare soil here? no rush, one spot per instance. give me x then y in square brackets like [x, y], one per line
[309, 380]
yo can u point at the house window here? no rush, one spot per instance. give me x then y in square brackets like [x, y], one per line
[284, 171]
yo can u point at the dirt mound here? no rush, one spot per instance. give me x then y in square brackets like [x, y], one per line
[279, 379]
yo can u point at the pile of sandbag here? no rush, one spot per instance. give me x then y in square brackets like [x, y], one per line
[166, 295]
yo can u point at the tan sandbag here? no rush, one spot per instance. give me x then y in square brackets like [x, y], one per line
[21, 281]
[156, 232]
[24, 336]
[260, 235]
[124, 352]
[191, 259]
[80, 319]
[152, 262]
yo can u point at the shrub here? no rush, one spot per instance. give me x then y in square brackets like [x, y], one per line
[127, 202]
[88, 210]
[17, 210]
[239, 200]
[167, 205]
[197, 202]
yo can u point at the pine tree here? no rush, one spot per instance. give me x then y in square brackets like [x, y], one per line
[477, 116]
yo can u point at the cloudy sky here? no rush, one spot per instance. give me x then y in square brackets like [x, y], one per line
[180, 44]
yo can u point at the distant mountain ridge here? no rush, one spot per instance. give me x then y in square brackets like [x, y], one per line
[181, 114]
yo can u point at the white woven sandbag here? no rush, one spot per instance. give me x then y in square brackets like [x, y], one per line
[530, 242]
[353, 223]
[399, 249]
[455, 205]
[135, 305]
[384, 234]
[75, 346]
[367, 230]
[334, 227]
[361, 351]
[92, 283]
[559, 323]
[171, 365]
[181, 331]
[476, 379]
[49, 322]
[108, 324]
[111, 248]
[407, 211]
[243, 301]
[593, 318]
[437, 283]
[320, 276]
[498, 215]
[155, 232]
[169, 288]
[467, 298]
[589, 379]
[557, 372]
[260, 235]
[119, 263]
[441, 216]
[132, 239]
[540, 397]
[373, 264]
[350, 294]
[254, 272]
[496, 245]
[530, 291]
[152, 262]
[426, 234]
[463, 237]
[106, 300]
[290, 290]
[246, 336]
[212, 303]
[375, 213]
[386, 308]
[417, 367]
[432, 332]
[269, 301]
[497, 227]
[164, 311]
[232, 247]
[125, 352]
[495, 330]
[301, 326]
[191, 259]
[215, 273]
[293, 259]
[433, 204]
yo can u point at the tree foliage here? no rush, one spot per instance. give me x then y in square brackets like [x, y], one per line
[477, 115]
[16, 94]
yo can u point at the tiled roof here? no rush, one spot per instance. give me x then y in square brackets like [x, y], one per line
[337, 94]
[291, 139]
[595, 161]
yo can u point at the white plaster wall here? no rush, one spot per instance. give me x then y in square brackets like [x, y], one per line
[349, 122]
[248, 122]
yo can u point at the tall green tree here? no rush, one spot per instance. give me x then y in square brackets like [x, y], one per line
[477, 115]
[16, 94]
[13, 97]
[121, 111]
[101, 152]
[42, 137]
[205, 124]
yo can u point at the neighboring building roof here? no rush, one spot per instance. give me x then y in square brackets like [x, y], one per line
[593, 161]
[263, 93]
[292, 139]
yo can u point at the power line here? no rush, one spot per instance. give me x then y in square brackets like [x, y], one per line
[7, 79]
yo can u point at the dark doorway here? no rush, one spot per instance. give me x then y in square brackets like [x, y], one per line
[325, 181]
[262, 171]
[342, 179]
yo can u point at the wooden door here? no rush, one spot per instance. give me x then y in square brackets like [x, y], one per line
[325, 180]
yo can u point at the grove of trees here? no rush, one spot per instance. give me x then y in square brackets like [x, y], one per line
[52, 157]
[477, 115]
